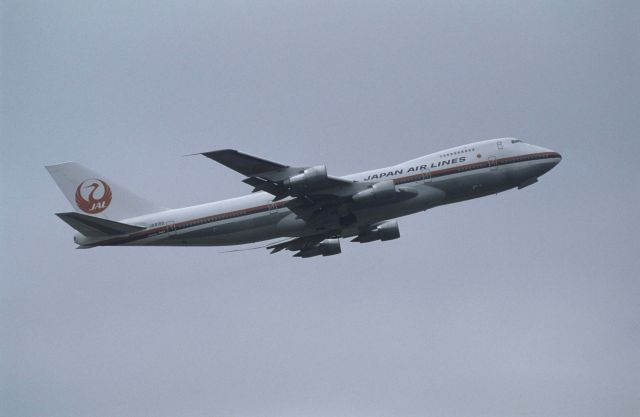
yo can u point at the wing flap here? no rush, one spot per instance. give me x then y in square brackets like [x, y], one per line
[273, 177]
[260, 184]
[297, 244]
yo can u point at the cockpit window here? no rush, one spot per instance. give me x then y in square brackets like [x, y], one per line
[516, 141]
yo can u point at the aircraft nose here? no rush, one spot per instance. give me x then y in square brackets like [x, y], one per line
[552, 156]
[555, 157]
[550, 160]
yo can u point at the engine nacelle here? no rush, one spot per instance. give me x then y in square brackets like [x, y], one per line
[327, 247]
[312, 178]
[384, 231]
[380, 191]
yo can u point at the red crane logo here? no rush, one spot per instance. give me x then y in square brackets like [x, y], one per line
[93, 196]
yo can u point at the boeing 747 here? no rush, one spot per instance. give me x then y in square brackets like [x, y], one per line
[304, 205]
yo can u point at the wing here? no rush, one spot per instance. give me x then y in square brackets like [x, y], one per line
[316, 197]
[245, 164]
[278, 179]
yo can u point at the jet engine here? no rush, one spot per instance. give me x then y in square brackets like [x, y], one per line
[383, 190]
[327, 247]
[384, 231]
[309, 179]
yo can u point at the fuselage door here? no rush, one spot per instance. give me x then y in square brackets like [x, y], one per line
[170, 228]
[426, 176]
[493, 163]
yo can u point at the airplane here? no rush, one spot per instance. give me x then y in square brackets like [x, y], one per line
[309, 210]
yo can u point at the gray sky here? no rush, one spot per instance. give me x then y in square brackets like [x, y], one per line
[521, 304]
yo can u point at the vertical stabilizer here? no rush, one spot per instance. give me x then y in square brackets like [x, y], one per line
[95, 195]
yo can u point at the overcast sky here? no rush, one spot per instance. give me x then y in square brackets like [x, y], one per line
[521, 304]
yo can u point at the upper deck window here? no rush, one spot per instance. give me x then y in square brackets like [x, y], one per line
[516, 141]
[444, 155]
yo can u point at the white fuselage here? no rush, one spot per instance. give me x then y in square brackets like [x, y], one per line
[457, 174]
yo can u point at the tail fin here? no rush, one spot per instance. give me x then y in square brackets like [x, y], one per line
[92, 194]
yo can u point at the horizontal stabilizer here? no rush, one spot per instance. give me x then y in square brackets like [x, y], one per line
[95, 226]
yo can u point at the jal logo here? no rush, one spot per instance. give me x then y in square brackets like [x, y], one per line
[93, 196]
